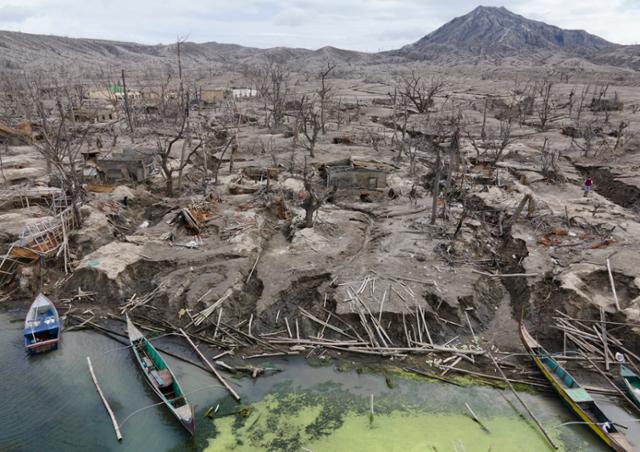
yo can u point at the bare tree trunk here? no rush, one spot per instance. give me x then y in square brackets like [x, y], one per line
[183, 154]
[435, 188]
[127, 109]
[483, 132]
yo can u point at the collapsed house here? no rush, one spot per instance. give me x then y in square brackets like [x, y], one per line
[355, 173]
[98, 114]
[15, 137]
[135, 165]
[213, 95]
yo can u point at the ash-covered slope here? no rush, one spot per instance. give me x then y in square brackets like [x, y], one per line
[497, 31]
[30, 51]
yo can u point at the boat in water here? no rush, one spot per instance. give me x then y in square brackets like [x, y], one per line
[631, 383]
[160, 377]
[42, 326]
[574, 395]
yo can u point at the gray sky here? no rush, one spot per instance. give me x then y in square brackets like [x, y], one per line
[368, 25]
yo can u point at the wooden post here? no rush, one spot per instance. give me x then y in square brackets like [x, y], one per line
[104, 401]
[613, 285]
[506, 380]
[213, 369]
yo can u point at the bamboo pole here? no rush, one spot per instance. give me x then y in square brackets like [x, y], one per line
[613, 285]
[104, 401]
[535, 419]
[430, 375]
[475, 417]
[213, 369]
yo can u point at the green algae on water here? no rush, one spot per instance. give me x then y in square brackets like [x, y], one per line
[331, 419]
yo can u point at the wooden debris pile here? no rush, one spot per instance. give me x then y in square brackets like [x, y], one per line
[595, 340]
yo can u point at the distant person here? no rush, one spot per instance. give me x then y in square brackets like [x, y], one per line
[587, 185]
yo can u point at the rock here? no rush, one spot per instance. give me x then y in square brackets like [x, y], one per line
[112, 259]
[295, 185]
[111, 272]
[122, 191]
[96, 231]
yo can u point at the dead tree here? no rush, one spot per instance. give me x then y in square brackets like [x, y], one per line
[549, 161]
[586, 132]
[545, 107]
[272, 83]
[571, 102]
[314, 197]
[583, 97]
[310, 123]
[165, 142]
[620, 135]
[62, 140]
[420, 93]
[495, 142]
[400, 109]
[525, 106]
[324, 94]
[127, 107]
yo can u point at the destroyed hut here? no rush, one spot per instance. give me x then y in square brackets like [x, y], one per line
[355, 173]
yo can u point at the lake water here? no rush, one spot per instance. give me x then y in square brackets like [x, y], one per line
[50, 403]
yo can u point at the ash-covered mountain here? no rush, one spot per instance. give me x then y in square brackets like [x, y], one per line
[492, 30]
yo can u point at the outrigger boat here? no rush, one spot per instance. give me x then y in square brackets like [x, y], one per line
[160, 377]
[576, 396]
[631, 383]
[41, 326]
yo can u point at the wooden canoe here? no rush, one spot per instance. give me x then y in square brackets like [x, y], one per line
[160, 377]
[41, 326]
[631, 383]
[574, 395]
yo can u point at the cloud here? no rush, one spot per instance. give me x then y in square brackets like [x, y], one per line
[367, 25]
[15, 13]
[294, 17]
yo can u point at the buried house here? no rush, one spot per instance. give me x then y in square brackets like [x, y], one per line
[355, 173]
[134, 165]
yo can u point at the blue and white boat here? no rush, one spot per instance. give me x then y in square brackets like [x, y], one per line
[42, 326]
